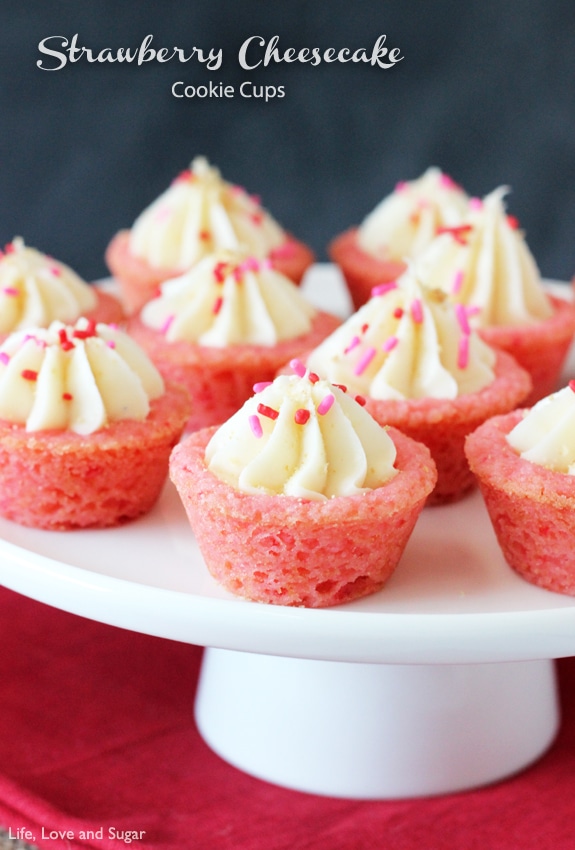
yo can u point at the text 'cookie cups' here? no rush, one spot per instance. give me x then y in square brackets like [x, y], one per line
[268, 544]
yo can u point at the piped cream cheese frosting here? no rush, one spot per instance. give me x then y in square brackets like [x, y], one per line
[301, 436]
[198, 214]
[485, 263]
[79, 377]
[546, 434]
[406, 342]
[35, 289]
[403, 224]
[229, 298]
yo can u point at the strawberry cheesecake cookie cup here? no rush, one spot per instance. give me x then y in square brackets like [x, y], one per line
[525, 465]
[230, 321]
[418, 365]
[301, 498]
[396, 231]
[485, 265]
[36, 290]
[87, 425]
[199, 214]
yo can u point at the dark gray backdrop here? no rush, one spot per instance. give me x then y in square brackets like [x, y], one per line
[485, 90]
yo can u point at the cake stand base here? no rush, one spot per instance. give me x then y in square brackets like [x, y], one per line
[375, 731]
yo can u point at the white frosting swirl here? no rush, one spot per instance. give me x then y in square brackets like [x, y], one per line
[405, 222]
[230, 299]
[546, 434]
[406, 342]
[36, 290]
[79, 377]
[198, 214]
[485, 264]
[302, 438]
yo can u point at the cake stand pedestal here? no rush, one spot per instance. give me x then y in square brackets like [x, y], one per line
[375, 731]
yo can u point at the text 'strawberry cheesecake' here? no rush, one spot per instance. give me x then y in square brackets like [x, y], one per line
[230, 321]
[486, 265]
[199, 214]
[36, 289]
[525, 465]
[301, 498]
[397, 231]
[86, 427]
[420, 367]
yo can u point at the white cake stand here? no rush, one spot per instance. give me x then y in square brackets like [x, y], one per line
[441, 682]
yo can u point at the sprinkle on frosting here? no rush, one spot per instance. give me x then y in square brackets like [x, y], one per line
[79, 377]
[230, 298]
[320, 443]
[201, 213]
[35, 290]
[411, 342]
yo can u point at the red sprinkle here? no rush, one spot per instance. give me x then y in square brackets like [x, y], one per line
[313, 377]
[301, 416]
[65, 343]
[341, 387]
[29, 375]
[217, 305]
[513, 222]
[268, 411]
[398, 312]
[88, 332]
[460, 233]
[67, 396]
[9, 248]
[205, 235]
[361, 400]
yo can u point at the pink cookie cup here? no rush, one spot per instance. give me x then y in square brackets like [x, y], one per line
[540, 348]
[220, 380]
[299, 552]
[139, 281]
[59, 480]
[532, 508]
[361, 271]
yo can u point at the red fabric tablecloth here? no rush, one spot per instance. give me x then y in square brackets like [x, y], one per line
[97, 738]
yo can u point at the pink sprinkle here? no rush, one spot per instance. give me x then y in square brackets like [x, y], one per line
[458, 281]
[217, 305]
[390, 343]
[461, 314]
[401, 186]
[364, 361]
[256, 426]
[473, 310]
[463, 351]
[110, 343]
[261, 385]
[447, 182]
[4, 357]
[325, 404]
[416, 311]
[383, 288]
[354, 342]
[166, 326]
[9, 290]
[298, 367]
[475, 203]
[55, 271]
